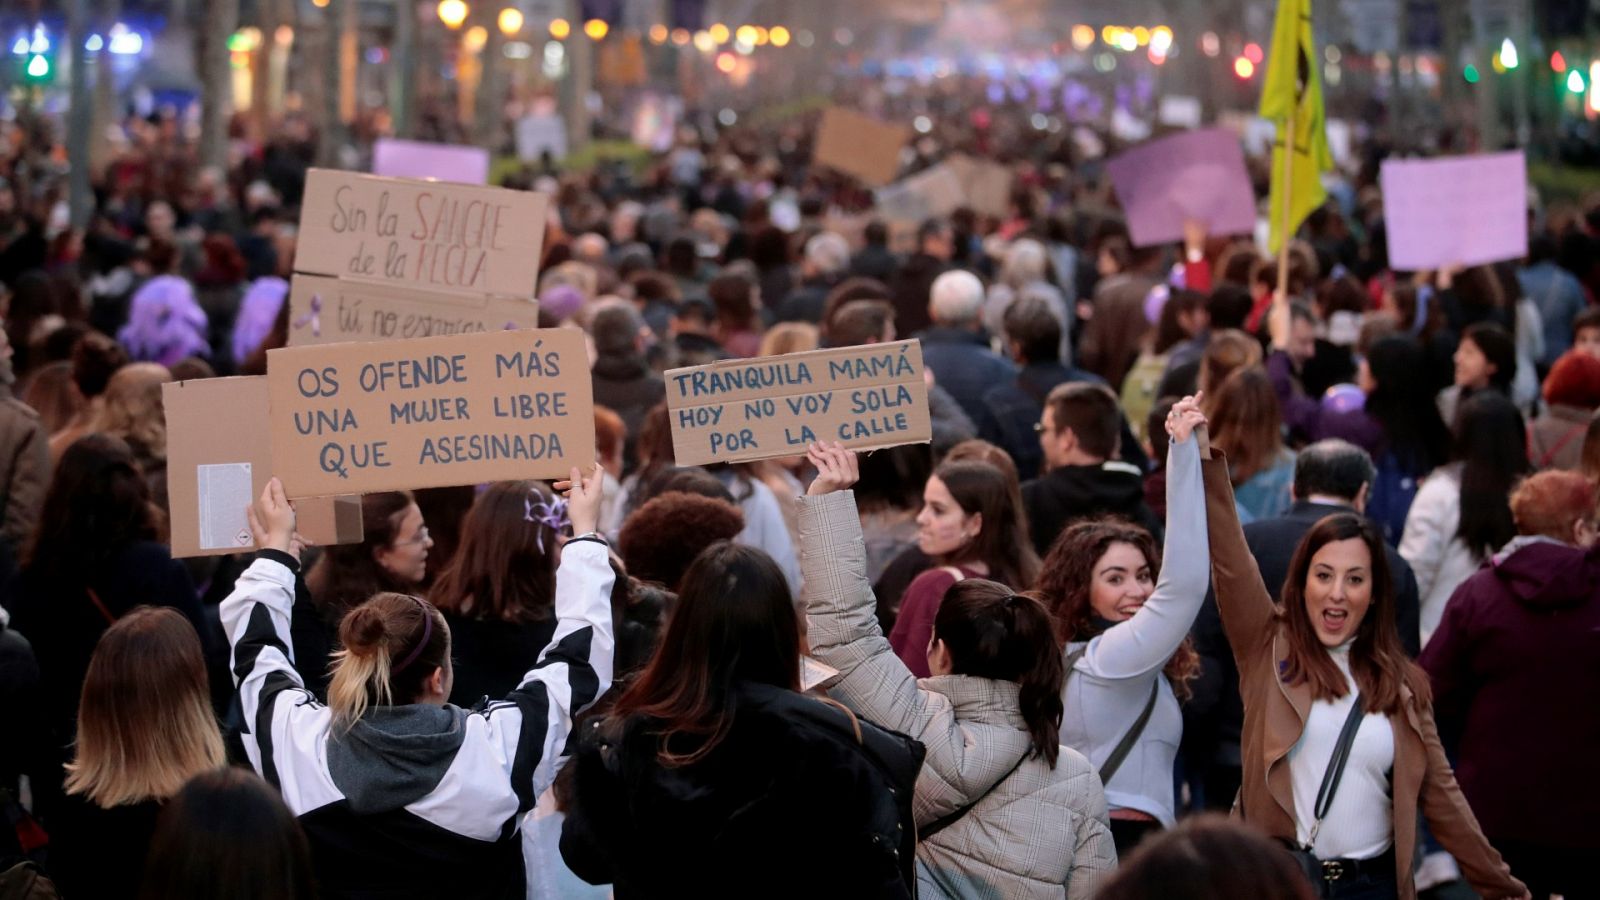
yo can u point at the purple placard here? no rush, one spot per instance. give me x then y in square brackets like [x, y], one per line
[1457, 210]
[1196, 175]
[416, 159]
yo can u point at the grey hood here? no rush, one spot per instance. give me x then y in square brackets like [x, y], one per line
[394, 755]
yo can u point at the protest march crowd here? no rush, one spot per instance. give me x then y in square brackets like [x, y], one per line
[1307, 538]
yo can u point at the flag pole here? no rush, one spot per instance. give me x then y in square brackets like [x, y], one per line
[1288, 182]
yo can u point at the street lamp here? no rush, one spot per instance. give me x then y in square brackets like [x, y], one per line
[596, 28]
[452, 13]
[510, 21]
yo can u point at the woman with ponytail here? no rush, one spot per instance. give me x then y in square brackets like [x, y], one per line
[400, 793]
[1125, 637]
[1002, 809]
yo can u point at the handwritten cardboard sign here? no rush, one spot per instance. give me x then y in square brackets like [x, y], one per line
[933, 192]
[219, 460]
[335, 310]
[987, 185]
[738, 410]
[860, 146]
[1194, 175]
[425, 235]
[430, 412]
[423, 159]
[1463, 210]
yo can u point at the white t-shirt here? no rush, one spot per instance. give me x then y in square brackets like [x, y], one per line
[1360, 821]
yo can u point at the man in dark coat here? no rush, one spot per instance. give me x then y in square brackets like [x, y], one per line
[954, 349]
[1079, 432]
[1330, 476]
[914, 280]
[623, 381]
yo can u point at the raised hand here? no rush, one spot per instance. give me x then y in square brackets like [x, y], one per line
[836, 468]
[583, 498]
[1185, 418]
[272, 521]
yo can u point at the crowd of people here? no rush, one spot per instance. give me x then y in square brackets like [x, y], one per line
[1181, 543]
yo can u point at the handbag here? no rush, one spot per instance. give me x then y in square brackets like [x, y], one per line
[1303, 855]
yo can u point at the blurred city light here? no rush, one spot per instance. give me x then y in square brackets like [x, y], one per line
[1508, 54]
[510, 21]
[596, 29]
[452, 13]
[779, 36]
[1244, 68]
[560, 28]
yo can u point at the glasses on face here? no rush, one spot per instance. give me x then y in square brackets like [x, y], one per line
[421, 538]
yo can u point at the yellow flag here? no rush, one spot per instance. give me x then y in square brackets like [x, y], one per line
[1293, 93]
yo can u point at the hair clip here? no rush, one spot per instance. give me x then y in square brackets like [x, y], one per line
[552, 515]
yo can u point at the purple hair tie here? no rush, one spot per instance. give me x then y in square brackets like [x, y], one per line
[427, 633]
[313, 316]
[552, 515]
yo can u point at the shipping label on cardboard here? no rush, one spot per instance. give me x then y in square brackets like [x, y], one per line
[427, 235]
[219, 457]
[740, 410]
[336, 310]
[860, 146]
[430, 412]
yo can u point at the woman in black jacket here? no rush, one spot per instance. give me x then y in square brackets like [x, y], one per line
[498, 593]
[94, 557]
[714, 776]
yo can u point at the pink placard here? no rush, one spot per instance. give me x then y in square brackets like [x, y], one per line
[417, 159]
[1456, 210]
[1196, 175]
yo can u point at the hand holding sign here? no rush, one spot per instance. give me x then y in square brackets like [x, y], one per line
[272, 521]
[836, 467]
[583, 498]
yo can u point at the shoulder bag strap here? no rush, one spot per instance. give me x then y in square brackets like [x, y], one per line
[943, 822]
[104, 612]
[1125, 746]
[1335, 771]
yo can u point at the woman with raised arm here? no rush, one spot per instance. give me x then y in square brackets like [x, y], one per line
[402, 794]
[1340, 750]
[1002, 809]
[1125, 638]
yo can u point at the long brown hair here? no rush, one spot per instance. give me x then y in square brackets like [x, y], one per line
[505, 567]
[1228, 351]
[145, 724]
[1002, 543]
[391, 645]
[1068, 575]
[992, 632]
[1377, 660]
[734, 621]
[348, 574]
[1246, 422]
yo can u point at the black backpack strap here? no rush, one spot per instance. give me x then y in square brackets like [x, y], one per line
[1335, 770]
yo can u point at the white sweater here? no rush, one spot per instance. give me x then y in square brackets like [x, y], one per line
[1359, 824]
[1110, 683]
[1440, 560]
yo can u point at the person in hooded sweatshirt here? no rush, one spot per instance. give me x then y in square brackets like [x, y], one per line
[400, 793]
[1514, 682]
[1078, 432]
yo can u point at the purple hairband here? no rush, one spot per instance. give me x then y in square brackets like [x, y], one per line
[553, 515]
[427, 633]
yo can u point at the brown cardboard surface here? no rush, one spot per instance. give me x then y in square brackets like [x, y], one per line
[220, 421]
[987, 185]
[424, 234]
[430, 412]
[740, 410]
[339, 310]
[860, 146]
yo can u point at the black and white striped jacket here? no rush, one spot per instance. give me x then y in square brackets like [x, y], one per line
[416, 801]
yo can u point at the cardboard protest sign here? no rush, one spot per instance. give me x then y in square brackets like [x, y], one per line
[740, 410]
[933, 192]
[419, 159]
[430, 412]
[1180, 111]
[336, 310]
[541, 133]
[987, 185]
[421, 234]
[218, 462]
[1195, 175]
[860, 146]
[1463, 210]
